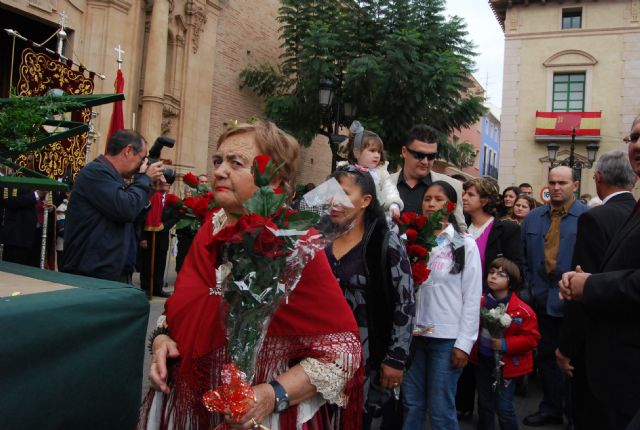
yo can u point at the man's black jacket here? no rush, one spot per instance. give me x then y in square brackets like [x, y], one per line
[99, 220]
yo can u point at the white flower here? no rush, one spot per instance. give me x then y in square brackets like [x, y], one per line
[505, 320]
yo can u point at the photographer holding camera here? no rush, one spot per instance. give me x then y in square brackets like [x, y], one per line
[100, 217]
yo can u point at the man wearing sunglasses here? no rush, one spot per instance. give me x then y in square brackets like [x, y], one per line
[419, 154]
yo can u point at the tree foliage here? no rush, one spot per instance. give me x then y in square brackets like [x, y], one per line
[402, 62]
[21, 120]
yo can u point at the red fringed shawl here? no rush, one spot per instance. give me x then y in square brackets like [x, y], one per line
[316, 323]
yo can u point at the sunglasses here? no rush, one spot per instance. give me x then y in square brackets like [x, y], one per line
[500, 273]
[350, 168]
[632, 138]
[421, 155]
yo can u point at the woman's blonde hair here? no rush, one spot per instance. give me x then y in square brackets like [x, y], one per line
[272, 141]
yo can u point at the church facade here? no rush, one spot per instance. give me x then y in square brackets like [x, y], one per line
[181, 63]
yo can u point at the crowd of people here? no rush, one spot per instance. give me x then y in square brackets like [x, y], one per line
[566, 275]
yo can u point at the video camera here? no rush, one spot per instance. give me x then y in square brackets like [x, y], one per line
[154, 156]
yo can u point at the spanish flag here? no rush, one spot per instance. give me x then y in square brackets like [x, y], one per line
[563, 123]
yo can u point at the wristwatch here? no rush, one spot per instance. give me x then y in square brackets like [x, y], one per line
[282, 398]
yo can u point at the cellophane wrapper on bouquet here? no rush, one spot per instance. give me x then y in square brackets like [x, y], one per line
[263, 254]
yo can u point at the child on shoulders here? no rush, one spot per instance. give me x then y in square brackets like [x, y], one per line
[516, 345]
[367, 151]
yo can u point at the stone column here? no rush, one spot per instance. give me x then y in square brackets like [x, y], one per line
[154, 71]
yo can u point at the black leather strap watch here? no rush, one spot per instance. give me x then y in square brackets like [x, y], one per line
[282, 398]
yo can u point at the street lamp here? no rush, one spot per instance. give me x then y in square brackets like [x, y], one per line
[552, 149]
[325, 95]
[592, 150]
[331, 102]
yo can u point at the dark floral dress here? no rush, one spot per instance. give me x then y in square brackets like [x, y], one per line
[350, 270]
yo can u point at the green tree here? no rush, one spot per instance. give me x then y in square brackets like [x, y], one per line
[402, 62]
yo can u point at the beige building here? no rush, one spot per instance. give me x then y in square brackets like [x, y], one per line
[182, 60]
[580, 56]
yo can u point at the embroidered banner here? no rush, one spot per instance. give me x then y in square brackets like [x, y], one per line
[41, 75]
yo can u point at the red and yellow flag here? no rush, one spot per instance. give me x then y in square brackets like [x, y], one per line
[563, 123]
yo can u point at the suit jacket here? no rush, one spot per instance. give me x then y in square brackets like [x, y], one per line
[544, 287]
[457, 185]
[612, 301]
[596, 229]
[504, 239]
[20, 220]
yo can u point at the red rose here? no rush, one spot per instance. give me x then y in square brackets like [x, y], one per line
[417, 251]
[451, 207]
[190, 179]
[268, 244]
[201, 207]
[172, 200]
[420, 221]
[253, 222]
[190, 202]
[261, 162]
[278, 190]
[412, 235]
[420, 272]
[408, 217]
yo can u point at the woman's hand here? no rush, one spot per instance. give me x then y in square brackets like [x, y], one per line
[459, 358]
[265, 403]
[163, 347]
[390, 377]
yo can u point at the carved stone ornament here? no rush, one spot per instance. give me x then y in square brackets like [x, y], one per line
[196, 18]
[635, 10]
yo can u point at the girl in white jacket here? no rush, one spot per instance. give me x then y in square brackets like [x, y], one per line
[446, 323]
[367, 150]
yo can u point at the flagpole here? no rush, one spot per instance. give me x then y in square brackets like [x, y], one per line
[14, 33]
[45, 222]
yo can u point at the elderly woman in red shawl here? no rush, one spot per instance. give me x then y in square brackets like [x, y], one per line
[311, 356]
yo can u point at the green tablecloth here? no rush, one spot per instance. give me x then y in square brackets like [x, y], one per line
[71, 358]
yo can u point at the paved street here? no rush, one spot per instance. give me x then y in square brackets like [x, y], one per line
[524, 405]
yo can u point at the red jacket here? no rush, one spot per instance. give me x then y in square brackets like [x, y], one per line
[521, 337]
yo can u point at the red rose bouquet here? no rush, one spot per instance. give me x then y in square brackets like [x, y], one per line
[192, 210]
[263, 255]
[421, 239]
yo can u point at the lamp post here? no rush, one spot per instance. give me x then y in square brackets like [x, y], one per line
[592, 150]
[337, 112]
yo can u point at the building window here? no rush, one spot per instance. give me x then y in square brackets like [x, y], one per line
[571, 18]
[485, 160]
[568, 92]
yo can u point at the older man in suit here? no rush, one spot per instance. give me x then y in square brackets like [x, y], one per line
[614, 180]
[611, 299]
[419, 154]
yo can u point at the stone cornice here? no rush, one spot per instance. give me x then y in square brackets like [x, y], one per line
[577, 33]
[122, 5]
[500, 7]
[589, 60]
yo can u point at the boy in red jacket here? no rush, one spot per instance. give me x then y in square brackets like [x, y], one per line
[517, 345]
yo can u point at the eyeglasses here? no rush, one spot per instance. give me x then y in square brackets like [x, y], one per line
[632, 138]
[421, 155]
[500, 273]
